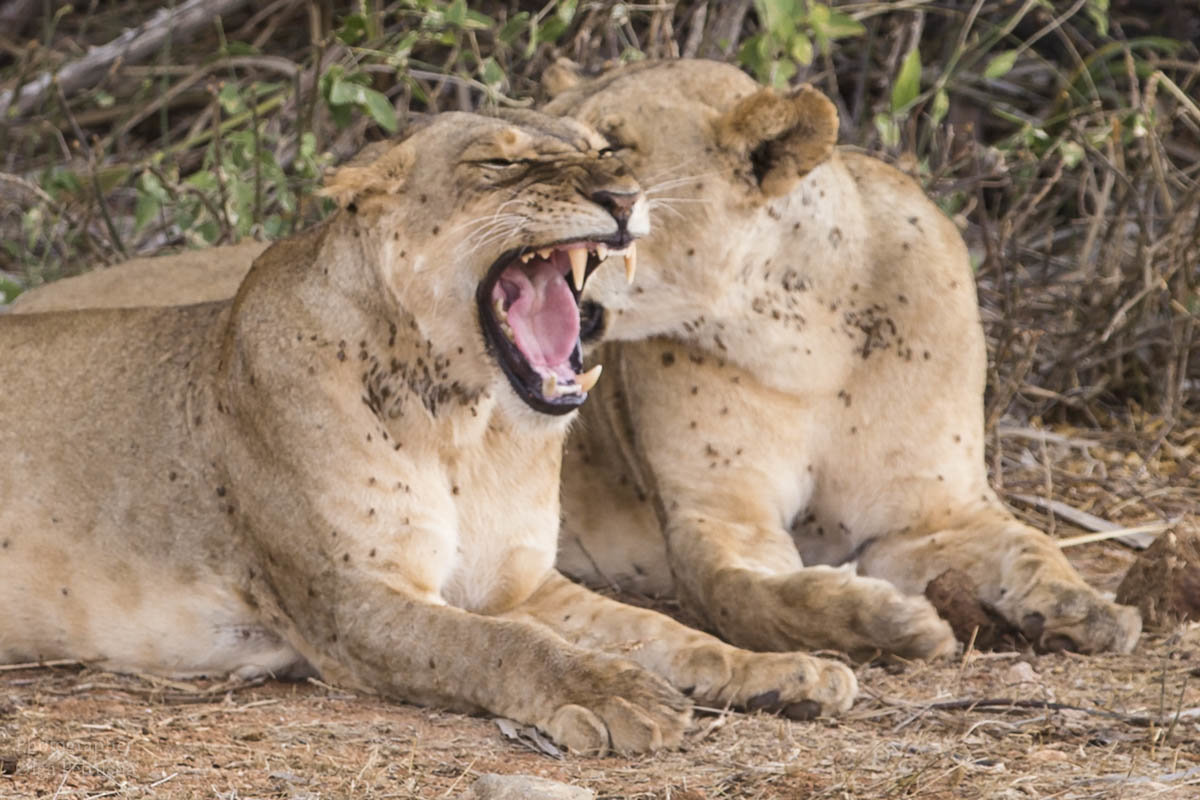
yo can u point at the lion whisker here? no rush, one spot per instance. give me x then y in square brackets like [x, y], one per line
[663, 186]
[489, 218]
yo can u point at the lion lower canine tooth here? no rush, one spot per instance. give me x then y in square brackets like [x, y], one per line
[587, 380]
[630, 262]
[578, 266]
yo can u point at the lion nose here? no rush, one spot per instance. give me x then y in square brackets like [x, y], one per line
[619, 204]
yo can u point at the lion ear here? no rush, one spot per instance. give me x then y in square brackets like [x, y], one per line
[785, 136]
[366, 175]
[560, 76]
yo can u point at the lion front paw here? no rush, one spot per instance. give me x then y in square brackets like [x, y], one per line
[1062, 616]
[829, 608]
[620, 708]
[794, 685]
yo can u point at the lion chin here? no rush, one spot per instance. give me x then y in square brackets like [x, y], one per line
[351, 463]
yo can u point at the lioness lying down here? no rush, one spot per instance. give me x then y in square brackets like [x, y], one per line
[815, 398]
[353, 465]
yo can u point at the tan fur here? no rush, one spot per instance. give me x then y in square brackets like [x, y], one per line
[192, 276]
[211, 488]
[818, 400]
[823, 402]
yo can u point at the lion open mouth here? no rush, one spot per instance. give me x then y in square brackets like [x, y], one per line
[529, 311]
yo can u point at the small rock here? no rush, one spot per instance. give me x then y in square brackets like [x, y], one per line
[524, 787]
[1021, 672]
[1164, 582]
[8, 764]
[956, 599]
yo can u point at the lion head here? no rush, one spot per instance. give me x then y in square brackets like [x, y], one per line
[505, 217]
[717, 155]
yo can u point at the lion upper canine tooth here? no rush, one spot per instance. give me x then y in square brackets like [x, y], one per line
[578, 266]
[601, 251]
[586, 380]
[630, 262]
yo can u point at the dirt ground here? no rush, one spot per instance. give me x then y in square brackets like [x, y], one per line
[984, 725]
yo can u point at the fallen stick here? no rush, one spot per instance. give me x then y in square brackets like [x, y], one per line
[132, 46]
[1139, 537]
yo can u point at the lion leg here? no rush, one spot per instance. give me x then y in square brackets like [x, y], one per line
[726, 485]
[762, 597]
[709, 670]
[1019, 571]
[610, 535]
[589, 701]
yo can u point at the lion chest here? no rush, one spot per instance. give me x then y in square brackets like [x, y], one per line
[472, 524]
[507, 516]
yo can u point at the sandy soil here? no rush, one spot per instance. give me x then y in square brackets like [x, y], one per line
[1005, 725]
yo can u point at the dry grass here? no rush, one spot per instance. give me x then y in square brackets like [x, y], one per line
[986, 725]
[1003, 725]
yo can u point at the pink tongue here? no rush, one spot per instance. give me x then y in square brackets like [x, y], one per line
[543, 316]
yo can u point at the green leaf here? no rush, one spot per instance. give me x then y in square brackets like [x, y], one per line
[479, 21]
[340, 115]
[456, 13]
[801, 49]
[755, 53]
[344, 93]
[58, 182]
[1072, 154]
[149, 184]
[782, 72]
[491, 74]
[308, 145]
[230, 99]
[417, 92]
[778, 17]
[1000, 64]
[353, 30]
[203, 180]
[514, 28]
[551, 30]
[380, 109]
[908, 81]
[842, 26]
[941, 104]
[1097, 11]
[888, 129]
[8, 290]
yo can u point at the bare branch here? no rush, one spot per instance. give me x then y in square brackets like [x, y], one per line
[132, 46]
